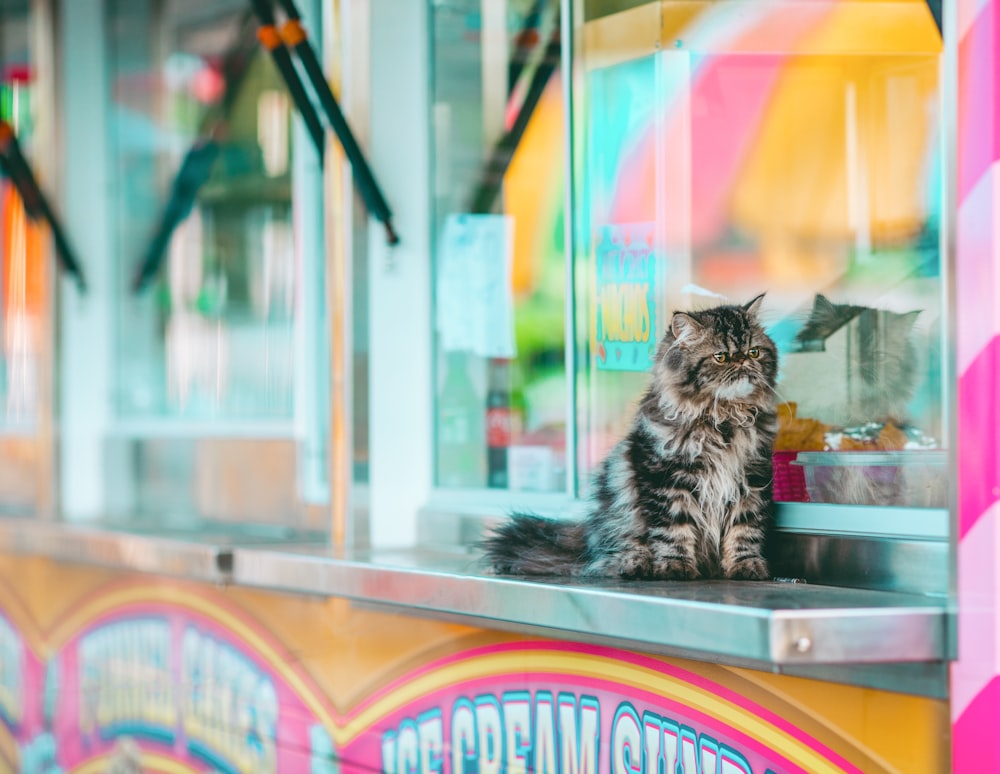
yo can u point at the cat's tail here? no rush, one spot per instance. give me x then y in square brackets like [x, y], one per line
[527, 544]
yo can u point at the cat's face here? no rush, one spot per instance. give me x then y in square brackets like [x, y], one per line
[722, 354]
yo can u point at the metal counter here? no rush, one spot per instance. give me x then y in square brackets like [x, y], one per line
[884, 639]
[774, 623]
[157, 554]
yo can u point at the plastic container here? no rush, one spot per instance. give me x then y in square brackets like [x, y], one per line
[917, 478]
[789, 478]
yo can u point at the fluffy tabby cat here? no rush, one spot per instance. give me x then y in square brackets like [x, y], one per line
[687, 493]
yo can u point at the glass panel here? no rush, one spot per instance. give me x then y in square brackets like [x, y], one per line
[25, 302]
[212, 338]
[204, 382]
[787, 147]
[500, 272]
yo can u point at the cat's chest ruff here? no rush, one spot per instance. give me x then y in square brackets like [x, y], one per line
[708, 440]
[720, 455]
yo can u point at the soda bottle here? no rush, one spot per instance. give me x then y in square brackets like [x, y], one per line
[504, 420]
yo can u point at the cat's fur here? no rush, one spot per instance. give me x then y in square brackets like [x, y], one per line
[687, 493]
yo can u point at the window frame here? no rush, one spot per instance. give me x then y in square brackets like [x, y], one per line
[428, 516]
[88, 415]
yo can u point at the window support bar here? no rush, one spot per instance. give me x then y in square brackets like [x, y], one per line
[36, 204]
[296, 39]
[495, 167]
[196, 168]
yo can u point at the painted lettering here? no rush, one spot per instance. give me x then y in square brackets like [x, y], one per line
[733, 763]
[624, 313]
[126, 679]
[389, 743]
[517, 731]
[229, 709]
[579, 733]
[408, 748]
[463, 738]
[651, 730]
[521, 732]
[431, 732]
[626, 741]
[545, 734]
[490, 730]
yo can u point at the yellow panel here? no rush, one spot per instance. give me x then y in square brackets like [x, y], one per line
[846, 28]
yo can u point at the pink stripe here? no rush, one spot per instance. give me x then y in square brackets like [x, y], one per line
[975, 743]
[979, 483]
[735, 91]
[978, 128]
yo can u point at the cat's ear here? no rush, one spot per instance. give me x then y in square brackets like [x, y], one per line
[823, 305]
[684, 326]
[909, 319]
[752, 307]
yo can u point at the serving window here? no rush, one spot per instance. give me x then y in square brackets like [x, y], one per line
[718, 151]
[500, 280]
[208, 394]
[789, 148]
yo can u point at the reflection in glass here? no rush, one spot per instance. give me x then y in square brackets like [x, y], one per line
[213, 337]
[23, 297]
[211, 359]
[792, 148]
[500, 274]
[25, 301]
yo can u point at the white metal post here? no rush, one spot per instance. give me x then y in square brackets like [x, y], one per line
[401, 429]
[85, 322]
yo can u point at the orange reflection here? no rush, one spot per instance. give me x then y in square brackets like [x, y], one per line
[24, 279]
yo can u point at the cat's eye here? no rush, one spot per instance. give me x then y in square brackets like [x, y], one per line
[754, 352]
[720, 357]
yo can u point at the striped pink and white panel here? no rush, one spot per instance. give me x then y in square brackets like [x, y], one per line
[975, 683]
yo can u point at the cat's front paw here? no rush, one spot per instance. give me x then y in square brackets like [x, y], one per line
[628, 564]
[675, 569]
[748, 569]
[633, 564]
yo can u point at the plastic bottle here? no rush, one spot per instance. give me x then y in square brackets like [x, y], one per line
[460, 435]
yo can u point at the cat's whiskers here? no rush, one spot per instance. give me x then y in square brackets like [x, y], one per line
[777, 394]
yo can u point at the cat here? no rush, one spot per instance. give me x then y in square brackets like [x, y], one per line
[687, 493]
[872, 355]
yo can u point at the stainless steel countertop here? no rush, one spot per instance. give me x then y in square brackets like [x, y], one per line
[772, 623]
[798, 628]
[206, 559]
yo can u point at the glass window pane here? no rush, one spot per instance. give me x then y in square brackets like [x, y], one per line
[791, 148]
[500, 273]
[212, 337]
[208, 353]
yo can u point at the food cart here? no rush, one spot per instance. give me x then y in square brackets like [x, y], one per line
[241, 498]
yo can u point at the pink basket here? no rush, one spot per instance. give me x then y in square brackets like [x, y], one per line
[789, 479]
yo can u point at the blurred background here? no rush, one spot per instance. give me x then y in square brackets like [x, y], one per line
[584, 178]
